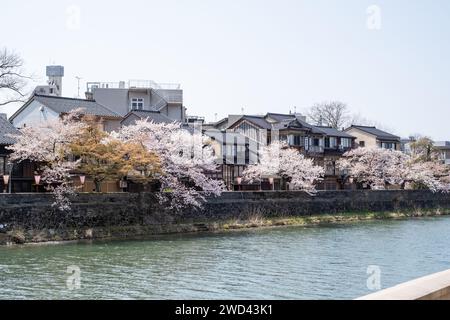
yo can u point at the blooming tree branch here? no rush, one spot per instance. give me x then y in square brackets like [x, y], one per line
[378, 168]
[48, 145]
[185, 160]
[278, 159]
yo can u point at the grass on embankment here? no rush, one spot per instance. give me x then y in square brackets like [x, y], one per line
[258, 221]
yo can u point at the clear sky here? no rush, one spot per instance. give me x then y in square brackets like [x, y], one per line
[258, 55]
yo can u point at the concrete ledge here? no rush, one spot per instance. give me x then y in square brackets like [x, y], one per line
[433, 287]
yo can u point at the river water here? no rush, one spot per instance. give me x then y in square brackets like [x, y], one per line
[326, 262]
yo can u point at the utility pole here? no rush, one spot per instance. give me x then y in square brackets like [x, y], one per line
[78, 79]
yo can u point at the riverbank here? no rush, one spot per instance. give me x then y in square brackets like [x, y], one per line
[135, 232]
[30, 218]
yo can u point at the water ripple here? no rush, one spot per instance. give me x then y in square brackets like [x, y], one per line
[285, 263]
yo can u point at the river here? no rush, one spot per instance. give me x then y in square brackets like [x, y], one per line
[324, 262]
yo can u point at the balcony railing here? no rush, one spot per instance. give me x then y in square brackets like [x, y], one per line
[133, 84]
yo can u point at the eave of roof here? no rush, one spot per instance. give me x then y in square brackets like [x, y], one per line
[91, 106]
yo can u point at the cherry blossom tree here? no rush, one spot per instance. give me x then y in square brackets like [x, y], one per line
[378, 168]
[48, 145]
[185, 160]
[373, 166]
[430, 175]
[105, 158]
[277, 159]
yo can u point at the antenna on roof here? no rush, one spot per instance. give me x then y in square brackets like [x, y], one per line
[295, 110]
[78, 79]
[215, 117]
[242, 109]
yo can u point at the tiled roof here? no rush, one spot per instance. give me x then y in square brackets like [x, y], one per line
[65, 105]
[296, 122]
[329, 131]
[6, 128]
[292, 121]
[152, 115]
[280, 116]
[380, 134]
[260, 121]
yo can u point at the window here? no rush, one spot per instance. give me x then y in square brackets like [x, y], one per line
[330, 142]
[333, 142]
[346, 142]
[137, 104]
[297, 140]
[388, 145]
[316, 142]
[362, 143]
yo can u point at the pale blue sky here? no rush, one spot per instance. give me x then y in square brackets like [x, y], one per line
[260, 55]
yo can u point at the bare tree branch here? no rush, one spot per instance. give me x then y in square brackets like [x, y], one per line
[12, 78]
[333, 114]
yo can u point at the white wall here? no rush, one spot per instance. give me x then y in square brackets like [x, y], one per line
[33, 115]
[114, 99]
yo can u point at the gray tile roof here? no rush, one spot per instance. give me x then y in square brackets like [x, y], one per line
[297, 123]
[6, 128]
[334, 132]
[380, 134]
[260, 121]
[221, 124]
[280, 116]
[65, 105]
[156, 116]
[292, 121]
